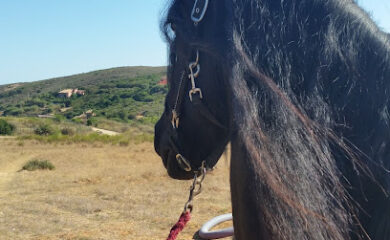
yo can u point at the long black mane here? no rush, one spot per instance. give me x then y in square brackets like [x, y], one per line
[310, 84]
[331, 69]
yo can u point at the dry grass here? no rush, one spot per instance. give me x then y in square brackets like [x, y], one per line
[98, 191]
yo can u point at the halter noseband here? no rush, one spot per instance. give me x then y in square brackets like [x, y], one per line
[196, 96]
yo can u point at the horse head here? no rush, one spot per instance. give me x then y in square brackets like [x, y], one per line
[194, 127]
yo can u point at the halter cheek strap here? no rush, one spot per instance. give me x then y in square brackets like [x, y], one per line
[195, 95]
[194, 69]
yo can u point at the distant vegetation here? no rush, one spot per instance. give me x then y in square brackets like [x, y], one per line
[44, 130]
[38, 165]
[128, 95]
[125, 100]
[23, 126]
[6, 128]
[58, 130]
[121, 140]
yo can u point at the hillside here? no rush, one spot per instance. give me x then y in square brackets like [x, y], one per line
[121, 94]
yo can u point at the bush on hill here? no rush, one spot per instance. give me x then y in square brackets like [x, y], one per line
[67, 131]
[6, 128]
[44, 130]
[13, 111]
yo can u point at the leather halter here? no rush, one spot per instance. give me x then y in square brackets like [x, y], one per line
[195, 96]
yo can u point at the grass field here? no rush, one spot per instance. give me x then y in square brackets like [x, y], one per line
[98, 191]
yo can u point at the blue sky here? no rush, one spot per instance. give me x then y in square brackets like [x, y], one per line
[42, 39]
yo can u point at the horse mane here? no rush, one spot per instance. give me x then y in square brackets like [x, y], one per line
[293, 59]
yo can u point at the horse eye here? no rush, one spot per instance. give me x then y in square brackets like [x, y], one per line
[170, 31]
[173, 27]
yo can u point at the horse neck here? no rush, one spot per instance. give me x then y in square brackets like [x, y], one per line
[248, 218]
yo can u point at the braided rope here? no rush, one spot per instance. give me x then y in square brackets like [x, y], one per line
[179, 226]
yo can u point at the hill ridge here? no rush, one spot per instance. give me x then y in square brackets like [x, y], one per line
[119, 93]
[82, 73]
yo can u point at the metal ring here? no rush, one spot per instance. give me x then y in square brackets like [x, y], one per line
[183, 163]
[205, 232]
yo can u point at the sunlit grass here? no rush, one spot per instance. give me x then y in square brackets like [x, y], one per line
[99, 191]
[121, 139]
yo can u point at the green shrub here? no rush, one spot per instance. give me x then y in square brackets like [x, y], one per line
[6, 128]
[44, 130]
[59, 118]
[78, 120]
[67, 131]
[47, 111]
[122, 115]
[13, 111]
[124, 143]
[34, 102]
[126, 95]
[38, 165]
[158, 89]
[92, 122]
[142, 97]
[68, 103]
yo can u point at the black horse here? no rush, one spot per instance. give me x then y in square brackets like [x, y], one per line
[301, 89]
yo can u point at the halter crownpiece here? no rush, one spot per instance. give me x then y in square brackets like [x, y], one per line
[199, 10]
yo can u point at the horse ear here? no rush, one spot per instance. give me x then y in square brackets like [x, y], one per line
[199, 10]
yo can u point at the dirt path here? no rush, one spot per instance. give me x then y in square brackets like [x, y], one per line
[104, 131]
[7, 137]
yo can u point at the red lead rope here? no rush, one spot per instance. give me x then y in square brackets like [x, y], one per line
[179, 226]
[196, 189]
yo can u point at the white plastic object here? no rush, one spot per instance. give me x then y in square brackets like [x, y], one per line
[205, 232]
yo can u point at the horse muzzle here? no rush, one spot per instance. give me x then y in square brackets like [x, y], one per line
[177, 166]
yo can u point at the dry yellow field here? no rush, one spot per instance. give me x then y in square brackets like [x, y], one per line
[98, 191]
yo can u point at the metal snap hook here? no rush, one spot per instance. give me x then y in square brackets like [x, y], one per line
[196, 74]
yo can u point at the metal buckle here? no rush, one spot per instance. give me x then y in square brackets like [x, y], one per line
[194, 91]
[199, 10]
[183, 163]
